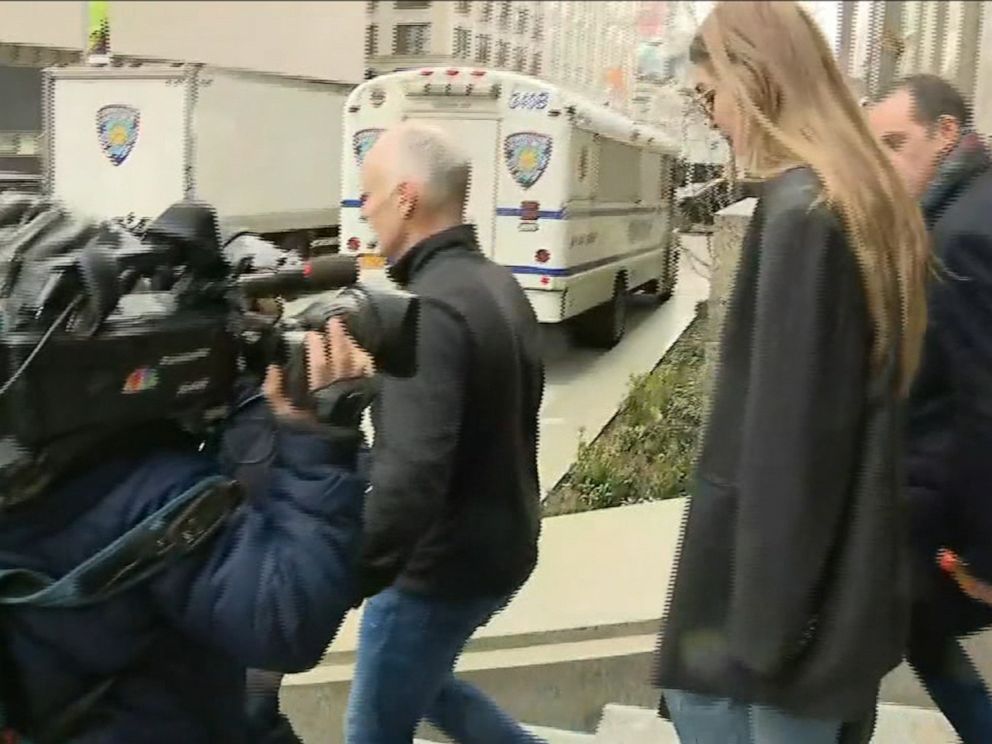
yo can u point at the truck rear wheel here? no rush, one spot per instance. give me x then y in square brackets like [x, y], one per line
[603, 326]
[662, 288]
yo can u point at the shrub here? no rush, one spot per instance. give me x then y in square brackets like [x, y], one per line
[647, 452]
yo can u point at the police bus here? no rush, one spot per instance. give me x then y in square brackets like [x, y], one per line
[574, 198]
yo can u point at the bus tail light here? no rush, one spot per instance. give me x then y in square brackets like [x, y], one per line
[530, 211]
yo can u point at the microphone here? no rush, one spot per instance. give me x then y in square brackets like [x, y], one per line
[319, 274]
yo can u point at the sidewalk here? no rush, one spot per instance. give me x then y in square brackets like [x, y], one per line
[596, 569]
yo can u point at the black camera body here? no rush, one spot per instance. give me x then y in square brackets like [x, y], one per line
[102, 330]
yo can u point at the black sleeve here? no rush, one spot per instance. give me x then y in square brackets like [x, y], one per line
[801, 429]
[961, 319]
[961, 315]
[412, 460]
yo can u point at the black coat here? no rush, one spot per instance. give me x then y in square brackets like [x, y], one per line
[454, 507]
[949, 463]
[792, 582]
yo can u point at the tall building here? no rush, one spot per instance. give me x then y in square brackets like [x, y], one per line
[885, 40]
[585, 46]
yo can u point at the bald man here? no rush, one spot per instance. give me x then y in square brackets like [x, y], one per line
[453, 511]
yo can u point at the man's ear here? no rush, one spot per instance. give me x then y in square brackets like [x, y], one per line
[408, 200]
[948, 131]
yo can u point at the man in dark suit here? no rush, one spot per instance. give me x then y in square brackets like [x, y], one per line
[925, 124]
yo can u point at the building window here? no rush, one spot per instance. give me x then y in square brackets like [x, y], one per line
[538, 28]
[504, 15]
[463, 43]
[411, 38]
[522, 17]
[482, 44]
[371, 40]
[535, 65]
[519, 60]
[411, 5]
[462, 8]
[503, 54]
[487, 11]
[371, 6]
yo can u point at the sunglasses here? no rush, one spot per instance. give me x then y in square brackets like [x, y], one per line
[703, 99]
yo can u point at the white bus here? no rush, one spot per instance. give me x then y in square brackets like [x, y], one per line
[573, 197]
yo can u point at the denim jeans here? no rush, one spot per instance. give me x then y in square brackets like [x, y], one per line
[700, 719]
[951, 680]
[407, 648]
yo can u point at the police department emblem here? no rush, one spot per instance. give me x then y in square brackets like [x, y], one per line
[363, 142]
[117, 127]
[527, 156]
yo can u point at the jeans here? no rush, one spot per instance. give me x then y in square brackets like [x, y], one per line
[700, 719]
[407, 648]
[951, 680]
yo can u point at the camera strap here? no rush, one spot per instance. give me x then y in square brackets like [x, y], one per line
[173, 531]
[170, 533]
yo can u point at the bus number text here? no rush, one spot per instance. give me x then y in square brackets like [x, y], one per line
[529, 101]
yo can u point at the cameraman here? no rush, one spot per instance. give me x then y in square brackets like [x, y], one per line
[165, 661]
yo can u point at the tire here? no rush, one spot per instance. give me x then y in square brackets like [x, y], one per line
[603, 326]
[661, 289]
[297, 242]
[667, 289]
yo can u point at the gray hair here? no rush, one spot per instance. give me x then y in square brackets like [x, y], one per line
[427, 155]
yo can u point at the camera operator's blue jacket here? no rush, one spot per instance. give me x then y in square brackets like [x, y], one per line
[270, 590]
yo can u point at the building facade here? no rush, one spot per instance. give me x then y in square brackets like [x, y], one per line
[588, 47]
[321, 40]
[881, 41]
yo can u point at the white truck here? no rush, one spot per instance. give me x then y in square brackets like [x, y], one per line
[573, 197]
[265, 150]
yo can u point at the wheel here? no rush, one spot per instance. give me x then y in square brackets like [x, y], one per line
[666, 290]
[603, 326]
[661, 289]
[297, 242]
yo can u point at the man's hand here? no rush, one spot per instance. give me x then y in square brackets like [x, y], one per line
[332, 356]
[957, 569]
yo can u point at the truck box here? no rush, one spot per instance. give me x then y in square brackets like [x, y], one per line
[265, 150]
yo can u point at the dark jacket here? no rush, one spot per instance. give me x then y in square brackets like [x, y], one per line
[949, 463]
[269, 591]
[454, 505]
[792, 585]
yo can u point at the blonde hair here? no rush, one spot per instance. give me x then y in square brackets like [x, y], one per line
[798, 109]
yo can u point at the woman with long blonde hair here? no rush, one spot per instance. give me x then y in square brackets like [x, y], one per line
[790, 598]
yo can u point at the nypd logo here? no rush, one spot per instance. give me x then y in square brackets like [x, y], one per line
[527, 156]
[363, 142]
[117, 127]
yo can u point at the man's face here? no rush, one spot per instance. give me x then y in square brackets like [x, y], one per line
[383, 200]
[914, 149]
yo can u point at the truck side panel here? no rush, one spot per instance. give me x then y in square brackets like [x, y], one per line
[142, 173]
[267, 152]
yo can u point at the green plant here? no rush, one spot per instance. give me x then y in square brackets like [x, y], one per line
[647, 452]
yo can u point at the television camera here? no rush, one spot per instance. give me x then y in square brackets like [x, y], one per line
[104, 328]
